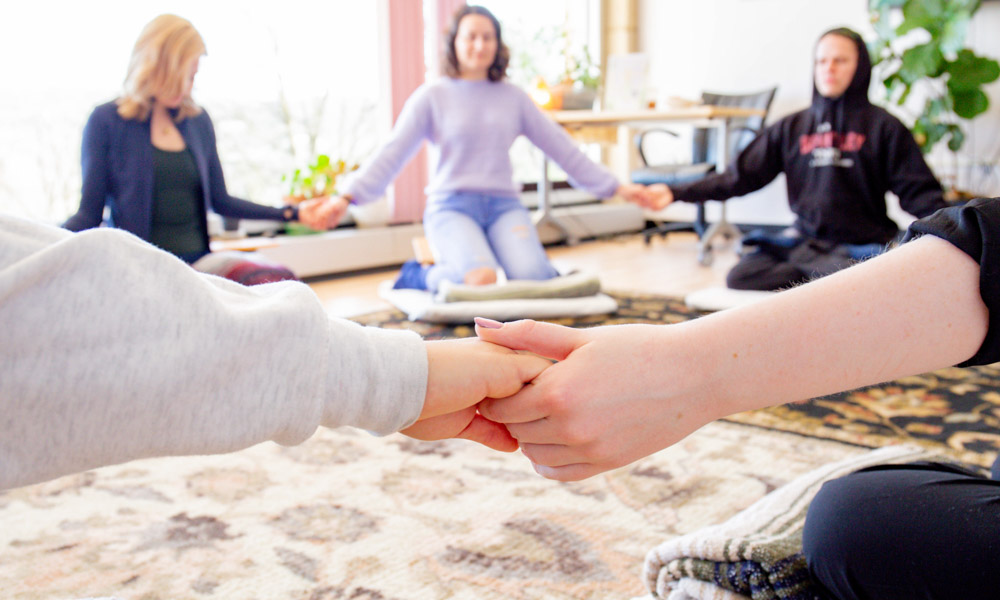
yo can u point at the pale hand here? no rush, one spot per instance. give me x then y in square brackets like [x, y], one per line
[462, 373]
[659, 196]
[334, 210]
[654, 197]
[313, 214]
[615, 396]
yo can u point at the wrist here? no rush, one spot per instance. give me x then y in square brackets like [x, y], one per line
[437, 364]
[290, 212]
[699, 370]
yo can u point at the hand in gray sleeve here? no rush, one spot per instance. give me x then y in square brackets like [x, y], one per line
[114, 350]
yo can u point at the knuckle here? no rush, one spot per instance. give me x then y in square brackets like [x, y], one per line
[526, 326]
[490, 410]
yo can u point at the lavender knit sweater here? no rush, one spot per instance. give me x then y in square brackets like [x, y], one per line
[471, 126]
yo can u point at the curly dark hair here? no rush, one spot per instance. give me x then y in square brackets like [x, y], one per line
[497, 70]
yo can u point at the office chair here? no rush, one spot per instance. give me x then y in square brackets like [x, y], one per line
[740, 131]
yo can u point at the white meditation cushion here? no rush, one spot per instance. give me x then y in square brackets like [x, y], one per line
[420, 305]
[721, 298]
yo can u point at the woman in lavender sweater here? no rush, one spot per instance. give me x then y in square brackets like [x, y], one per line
[474, 220]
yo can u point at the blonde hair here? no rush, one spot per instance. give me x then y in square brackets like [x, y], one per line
[165, 47]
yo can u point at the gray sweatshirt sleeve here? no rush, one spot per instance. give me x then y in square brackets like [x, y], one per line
[113, 350]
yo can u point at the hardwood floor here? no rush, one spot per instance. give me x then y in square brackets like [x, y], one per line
[667, 267]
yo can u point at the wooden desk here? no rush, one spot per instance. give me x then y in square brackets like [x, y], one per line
[590, 126]
[697, 112]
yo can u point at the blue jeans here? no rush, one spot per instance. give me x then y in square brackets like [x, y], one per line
[468, 231]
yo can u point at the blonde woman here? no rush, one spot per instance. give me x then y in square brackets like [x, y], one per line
[151, 157]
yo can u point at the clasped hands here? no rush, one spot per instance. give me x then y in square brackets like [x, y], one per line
[577, 402]
[651, 197]
[322, 213]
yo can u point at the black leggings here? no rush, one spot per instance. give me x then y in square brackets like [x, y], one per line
[911, 532]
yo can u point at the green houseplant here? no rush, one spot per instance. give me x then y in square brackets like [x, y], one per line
[927, 49]
[581, 78]
[317, 180]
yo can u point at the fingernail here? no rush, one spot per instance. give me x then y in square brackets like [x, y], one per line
[488, 323]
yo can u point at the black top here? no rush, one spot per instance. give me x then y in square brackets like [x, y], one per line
[974, 229]
[840, 157]
[179, 224]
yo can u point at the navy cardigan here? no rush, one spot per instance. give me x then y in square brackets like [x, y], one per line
[117, 159]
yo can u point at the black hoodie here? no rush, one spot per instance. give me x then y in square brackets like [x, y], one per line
[840, 156]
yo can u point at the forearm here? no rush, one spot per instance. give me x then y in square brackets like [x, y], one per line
[922, 199]
[94, 185]
[551, 139]
[910, 178]
[238, 208]
[369, 182]
[915, 309]
[231, 206]
[115, 351]
[713, 187]
[582, 172]
[756, 166]
[619, 393]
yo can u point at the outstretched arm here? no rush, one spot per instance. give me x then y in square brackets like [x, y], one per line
[623, 392]
[114, 350]
[95, 167]
[910, 178]
[583, 172]
[412, 127]
[756, 166]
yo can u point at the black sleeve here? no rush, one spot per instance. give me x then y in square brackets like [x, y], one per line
[910, 178]
[222, 202]
[758, 165]
[94, 162]
[974, 229]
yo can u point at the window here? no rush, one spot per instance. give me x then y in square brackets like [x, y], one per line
[282, 81]
[543, 38]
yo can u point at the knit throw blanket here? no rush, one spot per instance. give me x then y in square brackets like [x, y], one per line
[757, 553]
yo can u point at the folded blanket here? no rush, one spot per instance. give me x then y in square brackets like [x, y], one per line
[576, 285]
[420, 305]
[758, 552]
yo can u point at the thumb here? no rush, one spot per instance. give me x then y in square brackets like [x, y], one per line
[544, 339]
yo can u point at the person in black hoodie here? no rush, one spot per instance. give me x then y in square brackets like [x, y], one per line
[840, 156]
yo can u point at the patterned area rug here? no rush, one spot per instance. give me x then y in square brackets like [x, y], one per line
[347, 515]
[954, 410]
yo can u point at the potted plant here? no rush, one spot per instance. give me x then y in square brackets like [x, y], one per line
[926, 51]
[317, 180]
[580, 80]
[571, 85]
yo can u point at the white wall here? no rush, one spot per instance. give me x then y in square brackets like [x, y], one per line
[747, 45]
